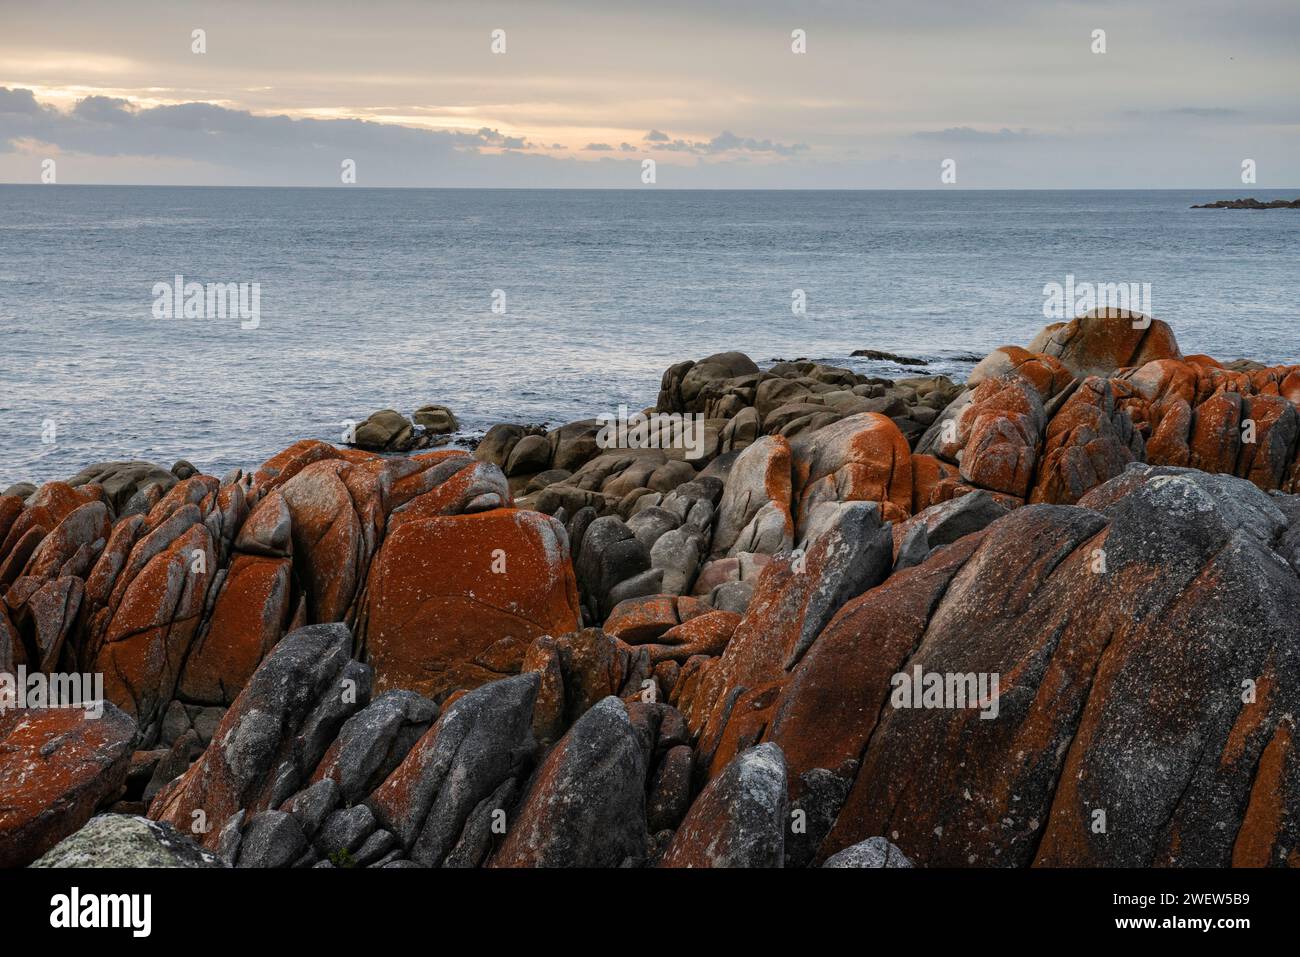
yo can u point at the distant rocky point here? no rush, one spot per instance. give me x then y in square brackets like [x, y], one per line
[1251, 203]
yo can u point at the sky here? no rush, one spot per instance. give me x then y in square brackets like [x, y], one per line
[583, 92]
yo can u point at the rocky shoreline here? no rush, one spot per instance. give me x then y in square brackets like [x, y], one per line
[703, 653]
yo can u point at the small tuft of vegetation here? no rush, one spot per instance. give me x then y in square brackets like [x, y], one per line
[341, 858]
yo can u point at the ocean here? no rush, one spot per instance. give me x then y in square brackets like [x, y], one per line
[374, 298]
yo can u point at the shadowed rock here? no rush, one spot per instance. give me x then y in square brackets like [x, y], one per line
[274, 734]
[739, 820]
[585, 807]
[482, 740]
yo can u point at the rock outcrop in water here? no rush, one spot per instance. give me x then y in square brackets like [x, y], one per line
[1050, 617]
[1251, 203]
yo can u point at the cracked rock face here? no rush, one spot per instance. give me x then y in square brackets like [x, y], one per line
[740, 819]
[794, 600]
[586, 805]
[273, 736]
[482, 741]
[1122, 693]
[56, 766]
[1098, 345]
[439, 618]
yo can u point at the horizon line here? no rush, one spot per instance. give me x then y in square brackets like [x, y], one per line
[674, 189]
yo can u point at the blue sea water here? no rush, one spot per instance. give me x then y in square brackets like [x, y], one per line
[374, 298]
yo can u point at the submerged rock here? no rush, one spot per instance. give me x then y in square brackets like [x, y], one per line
[887, 357]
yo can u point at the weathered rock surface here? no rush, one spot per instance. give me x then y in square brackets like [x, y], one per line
[1099, 344]
[1082, 613]
[480, 748]
[740, 819]
[456, 601]
[586, 805]
[794, 601]
[274, 734]
[57, 766]
[873, 852]
[122, 840]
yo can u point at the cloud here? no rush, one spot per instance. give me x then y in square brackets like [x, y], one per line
[496, 138]
[681, 146]
[606, 148]
[261, 149]
[583, 67]
[23, 113]
[103, 109]
[111, 126]
[968, 134]
[724, 142]
[21, 103]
